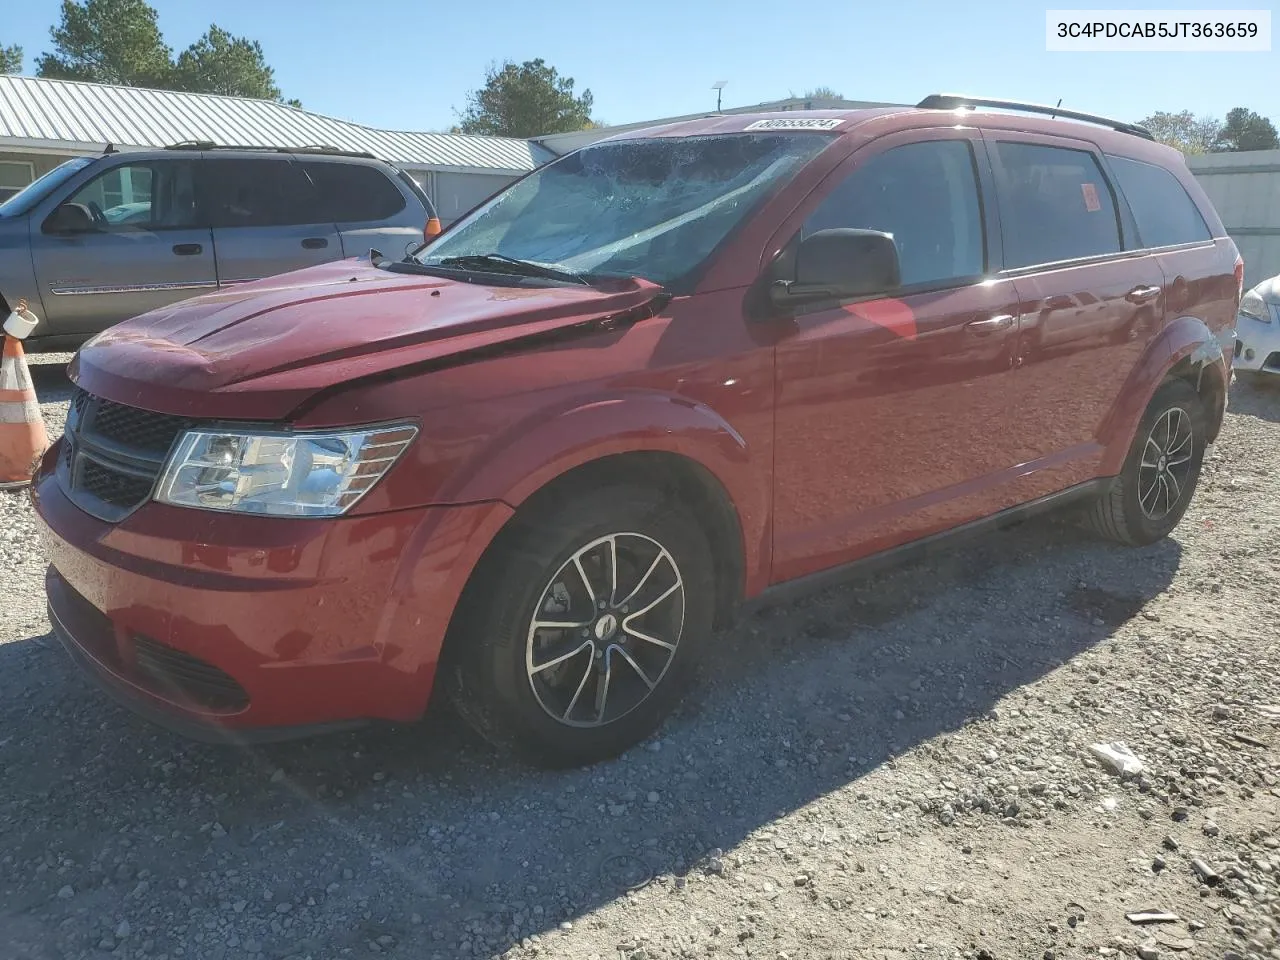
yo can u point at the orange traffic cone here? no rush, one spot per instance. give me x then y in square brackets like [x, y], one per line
[23, 439]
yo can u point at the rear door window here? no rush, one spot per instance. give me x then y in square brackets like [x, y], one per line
[926, 195]
[352, 193]
[1165, 213]
[270, 192]
[1055, 204]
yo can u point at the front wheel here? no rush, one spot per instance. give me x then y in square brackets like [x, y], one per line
[1149, 497]
[579, 632]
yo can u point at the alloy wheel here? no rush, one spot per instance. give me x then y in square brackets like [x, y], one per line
[605, 630]
[1164, 472]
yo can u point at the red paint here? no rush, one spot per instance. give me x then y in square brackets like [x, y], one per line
[833, 434]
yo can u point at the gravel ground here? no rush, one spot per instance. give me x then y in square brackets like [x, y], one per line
[898, 767]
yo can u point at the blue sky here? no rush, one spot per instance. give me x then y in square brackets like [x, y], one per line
[409, 65]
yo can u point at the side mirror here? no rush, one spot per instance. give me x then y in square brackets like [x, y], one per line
[840, 264]
[69, 218]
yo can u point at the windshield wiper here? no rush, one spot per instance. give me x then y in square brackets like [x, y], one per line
[500, 263]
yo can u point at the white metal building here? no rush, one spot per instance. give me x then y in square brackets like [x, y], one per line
[1245, 189]
[43, 122]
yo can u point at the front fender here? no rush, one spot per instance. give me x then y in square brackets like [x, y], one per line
[514, 465]
[1186, 340]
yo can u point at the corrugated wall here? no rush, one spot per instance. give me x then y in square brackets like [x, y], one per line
[1245, 188]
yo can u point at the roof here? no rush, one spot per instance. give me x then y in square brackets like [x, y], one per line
[562, 143]
[58, 114]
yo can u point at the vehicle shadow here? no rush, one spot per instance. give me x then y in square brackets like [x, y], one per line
[419, 834]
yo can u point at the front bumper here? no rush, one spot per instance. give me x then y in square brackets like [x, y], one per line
[1257, 346]
[258, 628]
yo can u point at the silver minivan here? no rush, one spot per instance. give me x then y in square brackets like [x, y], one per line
[101, 239]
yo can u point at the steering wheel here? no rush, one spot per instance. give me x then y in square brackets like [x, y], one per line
[95, 211]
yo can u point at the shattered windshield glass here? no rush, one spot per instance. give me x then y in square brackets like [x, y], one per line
[654, 208]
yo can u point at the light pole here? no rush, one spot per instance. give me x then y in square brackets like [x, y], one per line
[718, 87]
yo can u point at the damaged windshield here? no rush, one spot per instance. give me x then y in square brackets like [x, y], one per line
[654, 208]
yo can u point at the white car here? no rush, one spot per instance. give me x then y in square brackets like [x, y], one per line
[1258, 332]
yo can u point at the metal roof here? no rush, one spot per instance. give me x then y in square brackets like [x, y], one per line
[60, 114]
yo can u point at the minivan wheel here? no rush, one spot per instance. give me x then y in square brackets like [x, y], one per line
[579, 634]
[1147, 500]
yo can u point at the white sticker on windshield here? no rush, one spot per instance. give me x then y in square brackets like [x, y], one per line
[799, 123]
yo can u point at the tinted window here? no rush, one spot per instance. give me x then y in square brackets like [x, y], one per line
[926, 195]
[348, 192]
[256, 193]
[1054, 205]
[1165, 213]
[155, 195]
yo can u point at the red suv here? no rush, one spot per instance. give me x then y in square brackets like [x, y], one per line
[676, 371]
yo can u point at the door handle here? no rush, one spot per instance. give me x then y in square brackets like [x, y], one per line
[315, 243]
[990, 325]
[188, 249]
[1142, 294]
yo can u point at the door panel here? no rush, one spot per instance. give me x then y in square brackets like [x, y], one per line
[890, 424]
[890, 420]
[259, 209]
[1084, 328]
[1090, 303]
[136, 247]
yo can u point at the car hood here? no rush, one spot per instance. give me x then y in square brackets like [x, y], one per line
[258, 350]
[1268, 290]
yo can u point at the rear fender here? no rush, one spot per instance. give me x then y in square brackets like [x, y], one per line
[1184, 342]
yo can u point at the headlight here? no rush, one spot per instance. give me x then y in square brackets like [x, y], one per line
[1253, 306]
[281, 474]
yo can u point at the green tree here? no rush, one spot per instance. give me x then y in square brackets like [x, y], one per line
[11, 59]
[108, 41]
[1246, 130]
[823, 93]
[221, 63]
[524, 100]
[119, 41]
[1184, 131]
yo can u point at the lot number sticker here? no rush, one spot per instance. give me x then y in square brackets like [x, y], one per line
[1091, 202]
[829, 123]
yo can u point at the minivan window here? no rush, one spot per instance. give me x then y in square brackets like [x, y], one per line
[926, 195]
[653, 207]
[26, 198]
[267, 192]
[1165, 212]
[351, 193]
[1055, 204]
[155, 195]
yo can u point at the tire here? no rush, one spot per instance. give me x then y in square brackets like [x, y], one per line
[1138, 507]
[522, 687]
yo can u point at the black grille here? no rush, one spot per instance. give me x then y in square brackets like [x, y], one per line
[174, 673]
[118, 489]
[139, 429]
[113, 454]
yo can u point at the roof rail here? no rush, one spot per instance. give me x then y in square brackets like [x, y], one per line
[953, 101]
[310, 148]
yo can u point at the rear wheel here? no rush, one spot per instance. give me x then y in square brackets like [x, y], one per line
[579, 633]
[1153, 490]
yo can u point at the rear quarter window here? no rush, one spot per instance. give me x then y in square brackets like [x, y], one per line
[1166, 215]
[1055, 205]
[352, 193]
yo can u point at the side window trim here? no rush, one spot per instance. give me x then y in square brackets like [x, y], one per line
[1125, 223]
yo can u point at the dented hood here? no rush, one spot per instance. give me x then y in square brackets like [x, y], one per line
[258, 350]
